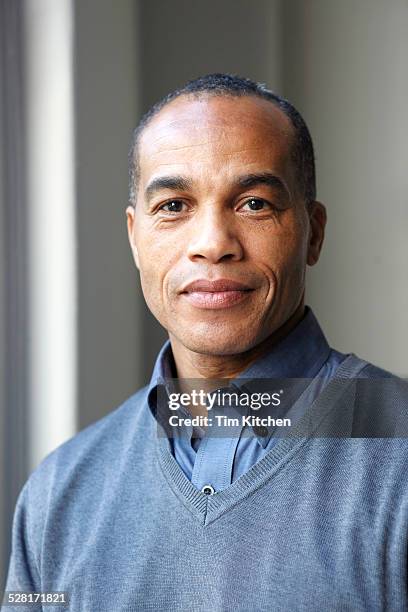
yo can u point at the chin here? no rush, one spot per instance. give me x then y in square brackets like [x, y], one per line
[220, 343]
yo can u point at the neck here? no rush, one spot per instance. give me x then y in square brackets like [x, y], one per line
[190, 364]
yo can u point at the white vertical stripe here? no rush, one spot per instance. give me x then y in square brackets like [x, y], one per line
[51, 223]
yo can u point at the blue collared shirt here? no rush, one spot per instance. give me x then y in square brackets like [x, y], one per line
[218, 461]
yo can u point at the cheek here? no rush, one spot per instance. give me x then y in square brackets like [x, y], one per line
[151, 272]
[282, 253]
[149, 263]
[156, 262]
[293, 268]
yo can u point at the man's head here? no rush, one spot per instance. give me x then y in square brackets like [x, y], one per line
[225, 84]
[223, 217]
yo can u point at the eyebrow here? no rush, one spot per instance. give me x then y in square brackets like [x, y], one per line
[246, 181]
[262, 178]
[179, 183]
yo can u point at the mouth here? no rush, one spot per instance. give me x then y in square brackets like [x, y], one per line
[215, 294]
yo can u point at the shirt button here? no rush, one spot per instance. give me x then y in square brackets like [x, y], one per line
[260, 430]
[208, 490]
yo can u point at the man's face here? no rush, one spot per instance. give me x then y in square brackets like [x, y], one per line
[220, 231]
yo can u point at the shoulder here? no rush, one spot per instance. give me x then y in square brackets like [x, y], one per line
[69, 484]
[105, 432]
[373, 379]
[83, 461]
[376, 380]
[356, 367]
[370, 370]
[380, 404]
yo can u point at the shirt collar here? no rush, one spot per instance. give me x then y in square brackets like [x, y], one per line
[301, 354]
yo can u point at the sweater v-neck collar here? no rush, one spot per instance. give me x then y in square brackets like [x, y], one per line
[207, 508]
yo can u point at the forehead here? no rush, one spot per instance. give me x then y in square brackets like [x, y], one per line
[190, 133]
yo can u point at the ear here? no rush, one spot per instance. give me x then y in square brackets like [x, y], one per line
[130, 219]
[317, 219]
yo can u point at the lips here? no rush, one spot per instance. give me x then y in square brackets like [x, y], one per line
[215, 294]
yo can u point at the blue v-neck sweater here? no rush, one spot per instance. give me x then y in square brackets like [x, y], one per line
[316, 524]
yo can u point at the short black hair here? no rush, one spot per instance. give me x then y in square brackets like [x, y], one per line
[220, 84]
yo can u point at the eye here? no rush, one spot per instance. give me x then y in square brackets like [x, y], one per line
[255, 204]
[174, 206]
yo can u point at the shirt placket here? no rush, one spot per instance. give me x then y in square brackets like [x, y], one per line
[213, 466]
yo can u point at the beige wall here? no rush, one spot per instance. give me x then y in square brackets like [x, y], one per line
[345, 67]
[107, 89]
[183, 39]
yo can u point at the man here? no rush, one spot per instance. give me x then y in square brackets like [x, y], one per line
[132, 514]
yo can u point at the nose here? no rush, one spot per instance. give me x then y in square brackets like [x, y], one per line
[213, 238]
